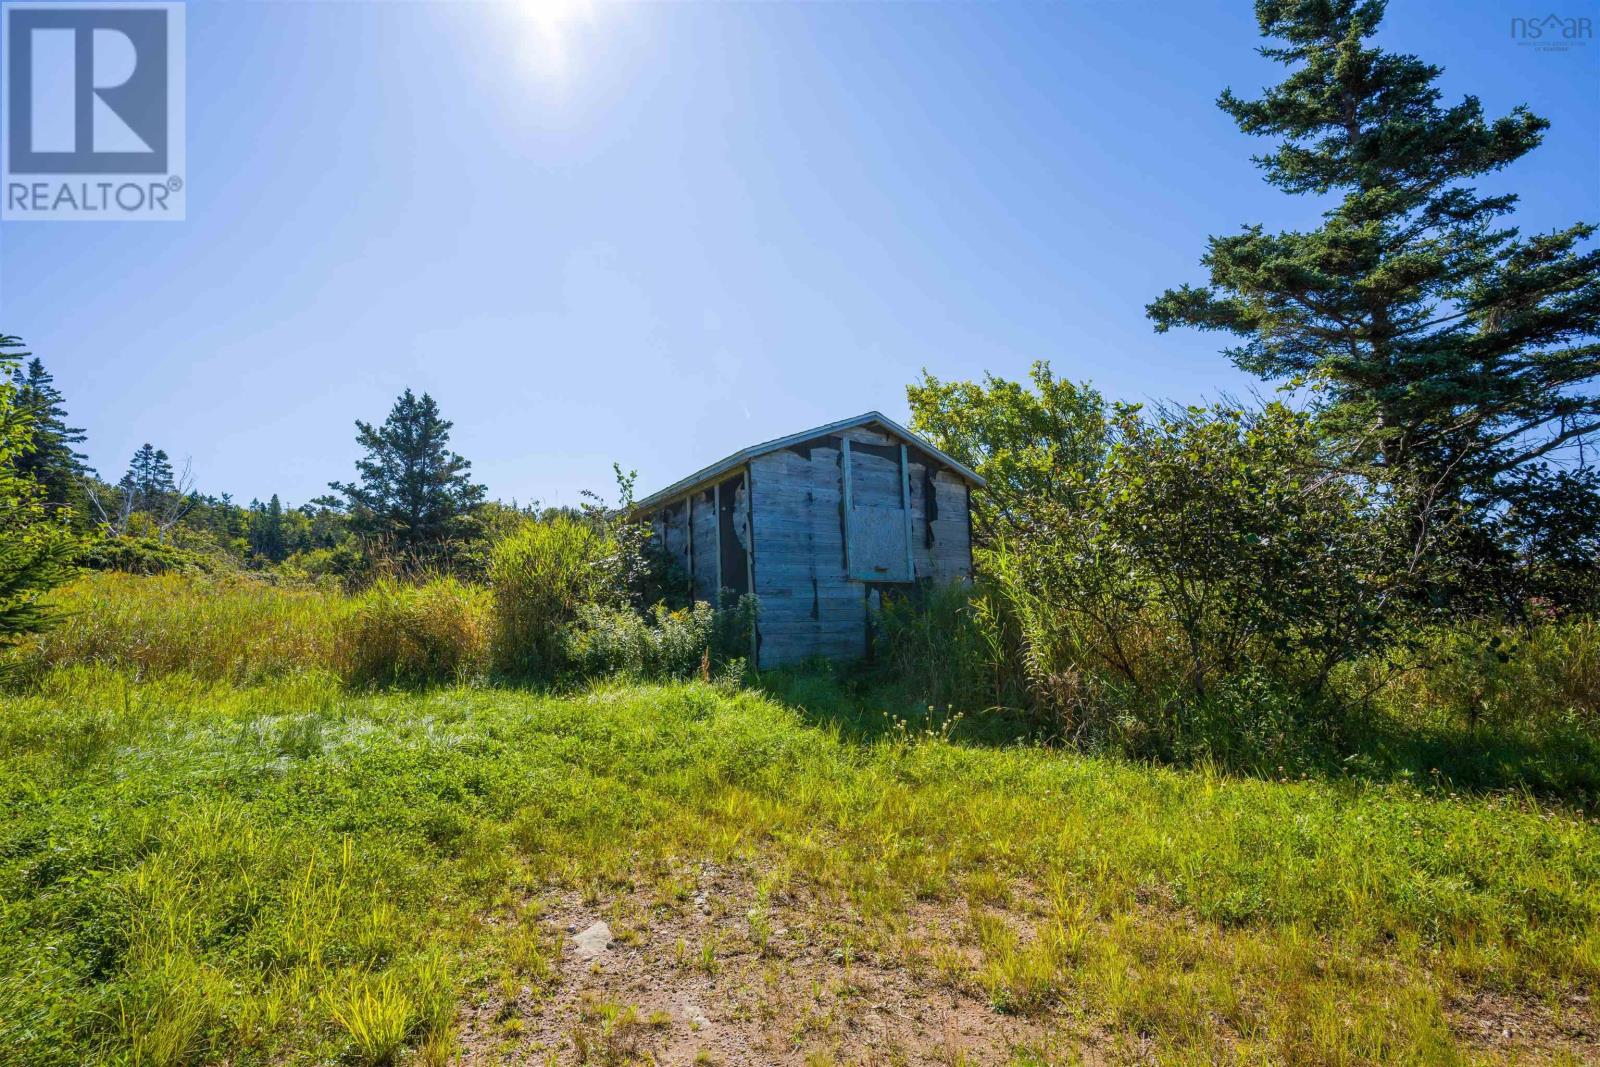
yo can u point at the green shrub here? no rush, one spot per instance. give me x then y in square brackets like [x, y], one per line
[345, 563]
[1211, 544]
[668, 644]
[143, 555]
[541, 575]
[617, 641]
[399, 634]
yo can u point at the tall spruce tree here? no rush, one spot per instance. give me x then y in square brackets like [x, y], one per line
[1454, 351]
[149, 478]
[411, 491]
[267, 535]
[51, 461]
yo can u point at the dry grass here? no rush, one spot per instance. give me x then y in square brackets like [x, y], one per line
[400, 634]
[231, 629]
[241, 630]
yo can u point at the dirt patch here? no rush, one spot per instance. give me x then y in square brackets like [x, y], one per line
[715, 971]
[1530, 1028]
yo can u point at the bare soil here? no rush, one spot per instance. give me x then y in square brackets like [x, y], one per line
[781, 983]
[715, 972]
[1526, 1030]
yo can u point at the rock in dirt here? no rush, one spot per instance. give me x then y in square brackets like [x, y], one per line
[592, 941]
[696, 1016]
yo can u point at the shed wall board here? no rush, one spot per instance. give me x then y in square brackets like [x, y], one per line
[705, 546]
[807, 607]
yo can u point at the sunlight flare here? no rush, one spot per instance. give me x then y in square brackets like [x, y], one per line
[549, 29]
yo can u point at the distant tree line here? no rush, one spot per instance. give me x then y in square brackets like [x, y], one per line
[412, 506]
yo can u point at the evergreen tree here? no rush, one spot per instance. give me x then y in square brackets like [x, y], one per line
[1454, 351]
[233, 522]
[267, 536]
[51, 461]
[411, 491]
[149, 478]
[35, 549]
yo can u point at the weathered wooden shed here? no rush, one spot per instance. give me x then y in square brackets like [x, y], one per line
[819, 525]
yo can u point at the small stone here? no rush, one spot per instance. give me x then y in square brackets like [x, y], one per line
[592, 941]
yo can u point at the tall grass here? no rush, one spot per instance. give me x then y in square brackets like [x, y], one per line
[230, 628]
[1497, 677]
[403, 634]
[958, 645]
[542, 575]
[236, 629]
[196, 872]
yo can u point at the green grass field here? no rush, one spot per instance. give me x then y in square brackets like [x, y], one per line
[282, 872]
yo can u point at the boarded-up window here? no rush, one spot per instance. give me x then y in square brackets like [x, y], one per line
[877, 526]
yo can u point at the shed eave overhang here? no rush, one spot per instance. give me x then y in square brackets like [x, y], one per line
[709, 474]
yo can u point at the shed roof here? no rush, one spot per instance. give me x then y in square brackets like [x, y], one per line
[744, 455]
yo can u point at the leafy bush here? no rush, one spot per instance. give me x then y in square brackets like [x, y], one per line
[399, 634]
[671, 644]
[1028, 443]
[541, 575]
[1139, 560]
[668, 644]
[144, 555]
[345, 563]
[1208, 544]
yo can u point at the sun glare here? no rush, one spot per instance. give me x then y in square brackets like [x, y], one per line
[550, 27]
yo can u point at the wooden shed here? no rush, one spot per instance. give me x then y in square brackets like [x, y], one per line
[819, 525]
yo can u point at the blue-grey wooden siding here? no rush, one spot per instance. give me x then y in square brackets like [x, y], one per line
[809, 605]
[816, 602]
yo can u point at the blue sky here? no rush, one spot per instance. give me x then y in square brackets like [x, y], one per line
[659, 233]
